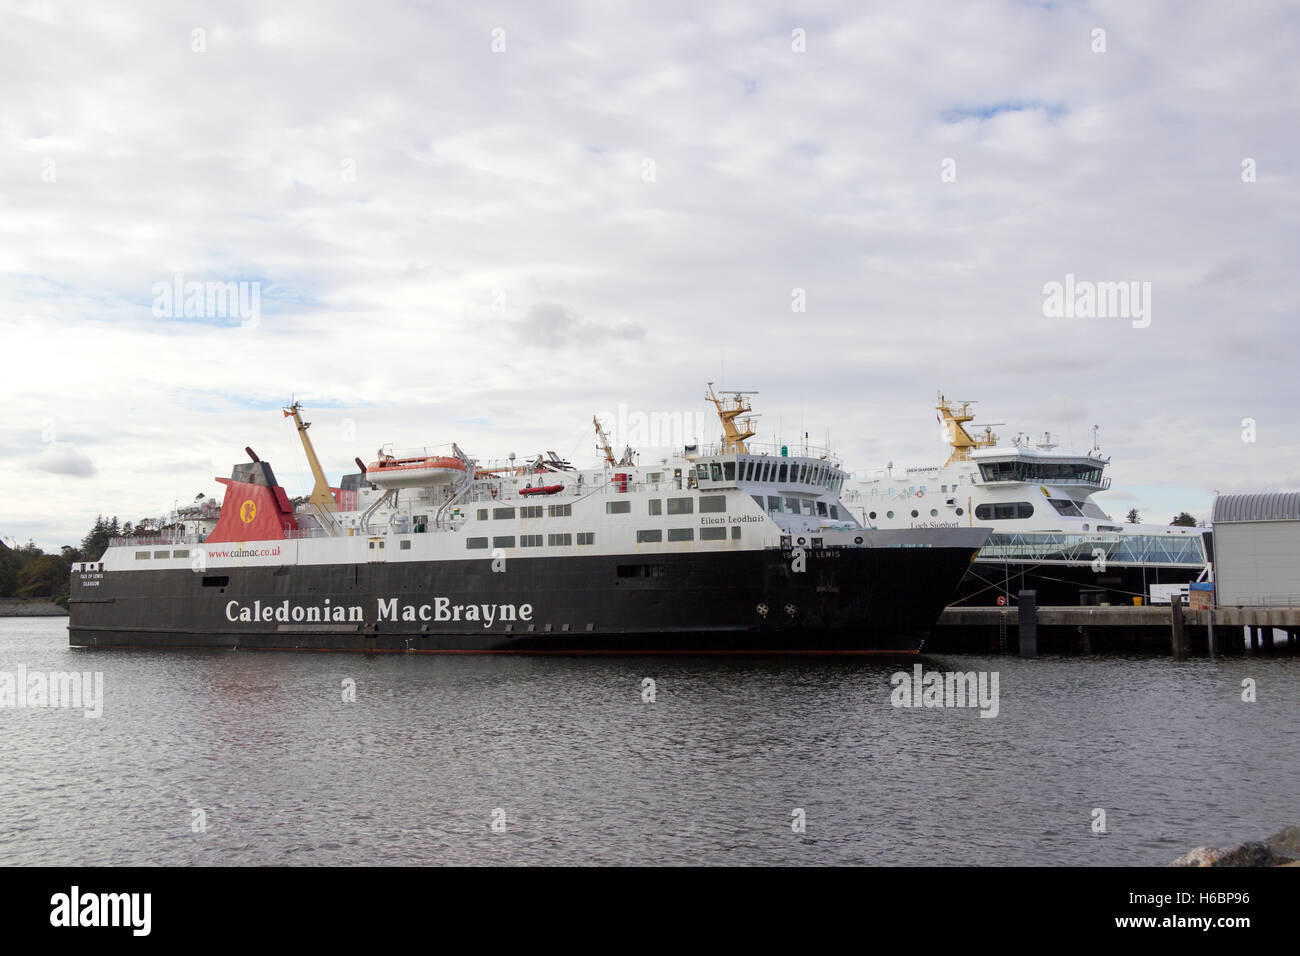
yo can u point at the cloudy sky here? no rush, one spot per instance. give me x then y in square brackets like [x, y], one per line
[486, 222]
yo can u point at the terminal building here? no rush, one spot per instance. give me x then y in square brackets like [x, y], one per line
[1257, 550]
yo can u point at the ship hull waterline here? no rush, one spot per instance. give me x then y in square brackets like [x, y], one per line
[843, 601]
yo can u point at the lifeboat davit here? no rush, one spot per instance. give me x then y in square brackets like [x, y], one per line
[542, 490]
[390, 472]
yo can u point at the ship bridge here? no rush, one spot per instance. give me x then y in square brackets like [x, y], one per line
[1031, 466]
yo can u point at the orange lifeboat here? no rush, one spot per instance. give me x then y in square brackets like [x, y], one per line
[391, 472]
[542, 490]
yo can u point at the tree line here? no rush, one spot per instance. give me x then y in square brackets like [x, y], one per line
[28, 572]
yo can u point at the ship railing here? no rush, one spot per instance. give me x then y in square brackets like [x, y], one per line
[774, 449]
[149, 540]
[300, 534]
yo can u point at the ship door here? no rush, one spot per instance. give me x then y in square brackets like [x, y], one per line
[375, 550]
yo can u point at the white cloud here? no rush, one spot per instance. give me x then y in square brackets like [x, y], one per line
[443, 234]
[62, 458]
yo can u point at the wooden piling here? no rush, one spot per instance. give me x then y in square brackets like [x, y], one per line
[1028, 624]
[1176, 607]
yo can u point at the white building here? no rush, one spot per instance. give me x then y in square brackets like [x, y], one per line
[1257, 550]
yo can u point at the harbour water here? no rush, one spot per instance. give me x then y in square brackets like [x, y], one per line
[244, 757]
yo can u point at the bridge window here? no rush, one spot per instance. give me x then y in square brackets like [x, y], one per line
[729, 470]
[1006, 511]
[1040, 471]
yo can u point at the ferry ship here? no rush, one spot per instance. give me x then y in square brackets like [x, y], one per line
[1048, 533]
[734, 548]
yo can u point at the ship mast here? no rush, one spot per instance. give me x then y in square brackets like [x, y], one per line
[321, 496]
[603, 441]
[954, 416]
[733, 437]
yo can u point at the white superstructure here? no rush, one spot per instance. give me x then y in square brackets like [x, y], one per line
[1038, 501]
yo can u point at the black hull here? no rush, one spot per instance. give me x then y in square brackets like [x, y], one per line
[1065, 585]
[847, 600]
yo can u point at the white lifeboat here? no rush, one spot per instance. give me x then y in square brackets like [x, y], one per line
[423, 472]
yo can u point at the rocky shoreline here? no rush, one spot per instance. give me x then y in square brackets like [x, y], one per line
[1281, 849]
[37, 608]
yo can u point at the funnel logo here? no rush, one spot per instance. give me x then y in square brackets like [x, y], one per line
[247, 511]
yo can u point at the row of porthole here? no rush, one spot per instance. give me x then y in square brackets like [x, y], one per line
[934, 513]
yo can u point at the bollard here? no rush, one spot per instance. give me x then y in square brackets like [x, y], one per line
[1028, 624]
[1176, 618]
[1209, 624]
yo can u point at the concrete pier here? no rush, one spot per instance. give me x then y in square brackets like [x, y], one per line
[1119, 629]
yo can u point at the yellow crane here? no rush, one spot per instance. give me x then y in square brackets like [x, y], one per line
[321, 495]
[954, 416]
[734, 437]
[602, 441]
